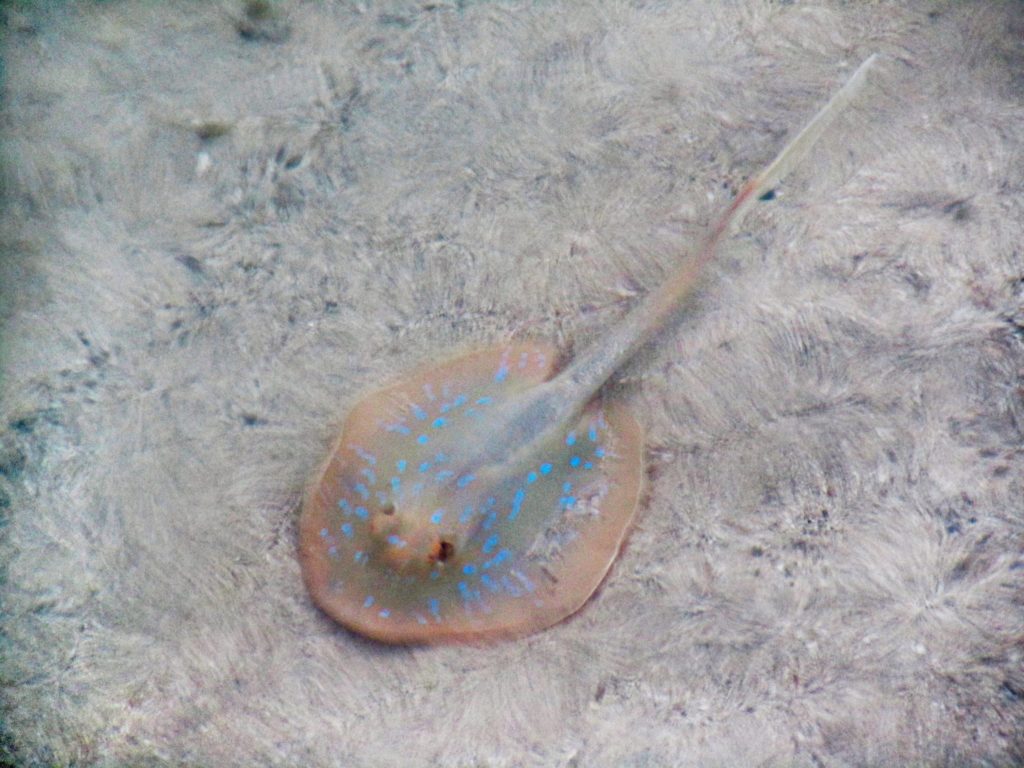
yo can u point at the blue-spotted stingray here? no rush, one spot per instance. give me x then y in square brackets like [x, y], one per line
[487, 496]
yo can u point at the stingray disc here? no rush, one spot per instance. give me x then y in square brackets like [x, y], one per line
[400, 544]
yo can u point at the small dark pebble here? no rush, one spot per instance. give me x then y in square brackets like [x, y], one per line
[12, 461]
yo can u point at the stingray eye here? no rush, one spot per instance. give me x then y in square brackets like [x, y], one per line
[384, 521]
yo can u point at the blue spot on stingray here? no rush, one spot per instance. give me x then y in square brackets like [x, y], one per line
[344, 505]
[574, 461]
[460, 401]
[366, 456]
[444, 474]
[489, 521]
[384, 614]
[469, 569]
[435, 606]
[502, 373]
[362, 490]
[588, 465]
[484, 401]
[592, 434]
[324, 532]
[570, 439]
[396, 541]
[523, 580]
[422, 439]
[399, 428]
[566, 502]
[424, 466]
[512, 589]
[517, 503]
[545, 469]
[490, 583]
[531, 478]
[347, 530]
[437, 517]
[368, 601]
[395, 483]
[566, 487]
[438, 423]
[498, 559]
[400, 465]
[490, 544]
[464, 481]
[467, 513]
[361, 513]
[419, 413]
[599, 453]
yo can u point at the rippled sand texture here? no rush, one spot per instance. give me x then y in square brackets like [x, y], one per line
[225, 222]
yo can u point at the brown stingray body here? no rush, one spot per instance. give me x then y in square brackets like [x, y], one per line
[426, 530]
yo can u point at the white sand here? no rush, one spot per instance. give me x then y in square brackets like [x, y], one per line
[828, 570]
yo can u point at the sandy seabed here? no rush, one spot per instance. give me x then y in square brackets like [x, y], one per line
[224, 221]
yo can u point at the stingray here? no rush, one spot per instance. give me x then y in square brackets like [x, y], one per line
[487, 496]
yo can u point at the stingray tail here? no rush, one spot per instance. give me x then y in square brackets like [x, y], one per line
[590, 371]
[792, 154]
